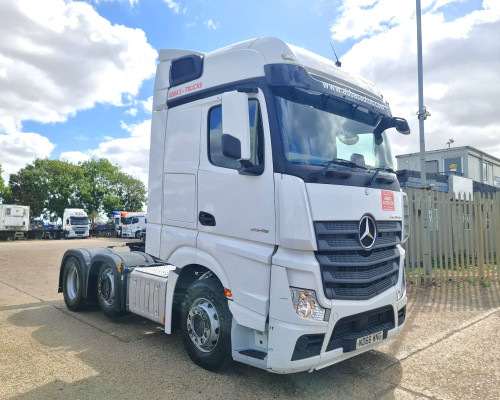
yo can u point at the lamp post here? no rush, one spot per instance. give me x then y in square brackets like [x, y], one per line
[449, 142]
[422, 116]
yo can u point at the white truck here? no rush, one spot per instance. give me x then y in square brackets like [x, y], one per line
[133, 224]
[75, 223]
[14, 218]
[275, 220]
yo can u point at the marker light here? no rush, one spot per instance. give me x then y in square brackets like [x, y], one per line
[306, 305]
[228, 293]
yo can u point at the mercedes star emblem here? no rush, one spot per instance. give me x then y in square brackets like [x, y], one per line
[367, 232]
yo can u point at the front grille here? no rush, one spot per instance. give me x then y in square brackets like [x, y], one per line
[348, 270]
[80, 232]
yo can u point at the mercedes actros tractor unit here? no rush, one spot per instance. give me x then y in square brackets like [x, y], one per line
[275, 219]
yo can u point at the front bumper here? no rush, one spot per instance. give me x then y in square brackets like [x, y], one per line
[77, 234]
[296, 344]
[285, 340]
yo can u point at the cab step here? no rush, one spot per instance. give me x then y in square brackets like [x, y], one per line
[260, 355]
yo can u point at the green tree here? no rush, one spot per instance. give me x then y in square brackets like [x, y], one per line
[5, 195]
[107, 188]
[26, 190]
[48, 187]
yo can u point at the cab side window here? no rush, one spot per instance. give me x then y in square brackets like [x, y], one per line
[215, 136]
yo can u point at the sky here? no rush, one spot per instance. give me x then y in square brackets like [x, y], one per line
[76, 77]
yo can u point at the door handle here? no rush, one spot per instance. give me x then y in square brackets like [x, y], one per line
[206, 219]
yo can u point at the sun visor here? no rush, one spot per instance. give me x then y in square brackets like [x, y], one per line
[287, 75]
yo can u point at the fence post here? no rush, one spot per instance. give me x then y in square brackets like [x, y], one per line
[425, 235]
[479, 234]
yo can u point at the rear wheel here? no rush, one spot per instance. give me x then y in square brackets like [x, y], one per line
[206, 325]
[106, 291]
[73, 284]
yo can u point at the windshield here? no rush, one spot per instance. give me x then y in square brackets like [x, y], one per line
[79, 221]
[126, 221]
[316, 129]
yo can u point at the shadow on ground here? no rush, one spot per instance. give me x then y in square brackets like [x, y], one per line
[84, 355]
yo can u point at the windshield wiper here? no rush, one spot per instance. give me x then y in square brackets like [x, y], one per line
[342, 162]
[387, 179]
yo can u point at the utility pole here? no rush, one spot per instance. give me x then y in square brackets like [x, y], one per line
[422, 116]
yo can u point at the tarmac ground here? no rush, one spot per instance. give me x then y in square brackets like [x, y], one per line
[450, 348]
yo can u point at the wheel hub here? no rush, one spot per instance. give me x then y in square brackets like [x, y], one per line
[107, 287]
[73, 282]
[203, 325]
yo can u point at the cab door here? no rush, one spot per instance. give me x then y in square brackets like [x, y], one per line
[236, 218]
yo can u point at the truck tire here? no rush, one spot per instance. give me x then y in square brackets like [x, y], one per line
[106, 294]
[206, 325]
[73, 284]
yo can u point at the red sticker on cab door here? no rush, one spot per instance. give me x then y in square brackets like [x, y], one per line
[388, 200]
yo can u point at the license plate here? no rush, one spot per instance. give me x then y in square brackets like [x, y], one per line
[369, 339]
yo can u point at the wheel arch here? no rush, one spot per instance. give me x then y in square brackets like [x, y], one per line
[191, 265]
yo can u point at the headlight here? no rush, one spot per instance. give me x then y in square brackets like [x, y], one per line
[306, 305]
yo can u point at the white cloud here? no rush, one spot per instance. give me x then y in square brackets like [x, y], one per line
[131, 153]
[75, 157]
[131, 2]
[461, 59]
[147, 105]
[212, 25]
[132, 111]
[60, 57]
[19, 148]
[173, 5]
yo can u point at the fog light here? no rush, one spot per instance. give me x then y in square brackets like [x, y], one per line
[306, 305]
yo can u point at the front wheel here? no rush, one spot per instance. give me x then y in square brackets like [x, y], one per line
[73, 284]
[106, 291]
[206, 325]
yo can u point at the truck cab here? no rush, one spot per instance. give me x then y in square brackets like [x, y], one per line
[272, 197]
[75, 223]
[132, 224]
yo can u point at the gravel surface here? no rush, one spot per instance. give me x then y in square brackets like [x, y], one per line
[449, 349]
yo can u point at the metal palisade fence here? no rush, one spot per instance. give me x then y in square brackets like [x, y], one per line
[463, 236]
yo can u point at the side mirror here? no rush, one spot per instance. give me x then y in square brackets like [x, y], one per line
[386, 122]
[402, 126]
[235, 126]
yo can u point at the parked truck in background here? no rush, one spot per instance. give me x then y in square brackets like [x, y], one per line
[118, 217]
[75, 223]
[275, 220]
[133, 224]
[14, 220]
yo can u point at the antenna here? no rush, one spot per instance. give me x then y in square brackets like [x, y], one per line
[337, 63]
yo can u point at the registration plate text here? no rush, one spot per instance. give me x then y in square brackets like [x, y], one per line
[369, 339]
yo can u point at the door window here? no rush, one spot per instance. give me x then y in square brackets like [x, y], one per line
[215, 137]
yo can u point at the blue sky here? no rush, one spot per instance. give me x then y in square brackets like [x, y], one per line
[76, 77]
